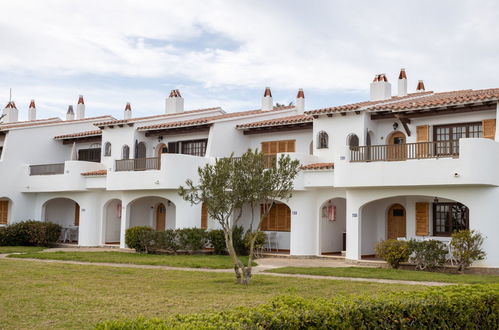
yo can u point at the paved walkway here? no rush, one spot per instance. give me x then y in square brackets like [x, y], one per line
[263, 264]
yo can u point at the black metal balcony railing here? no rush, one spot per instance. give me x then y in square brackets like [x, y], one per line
[46, 169]
[138, 164]
[397, 152]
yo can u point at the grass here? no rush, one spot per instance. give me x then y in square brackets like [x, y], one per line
[391, 274]
[62, 296]
[20, 249]
[189, 261]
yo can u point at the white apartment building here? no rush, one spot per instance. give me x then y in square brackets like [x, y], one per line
[415, 165]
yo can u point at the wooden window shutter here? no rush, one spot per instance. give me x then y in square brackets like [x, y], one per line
[283, 146]
[422, 133]
[489, 128]
[291, 146]
[204, 217]
[77, 215]
[4, 212]
[422, 214]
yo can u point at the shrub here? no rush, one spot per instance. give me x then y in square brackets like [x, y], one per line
[466, 248]
[260, 241]
[217, 240]
[137, 238]
[238, 241]
[427, 255]
[192, 239]
[393, 251]
[30, 232]
[453, 307]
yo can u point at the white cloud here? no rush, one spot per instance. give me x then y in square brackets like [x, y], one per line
[319, 45]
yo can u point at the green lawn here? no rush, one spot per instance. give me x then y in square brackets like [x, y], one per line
[21, 249]
[46, 295]
[391, 274]
[190, 261]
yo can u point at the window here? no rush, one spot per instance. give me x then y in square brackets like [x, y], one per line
[322, 140]
[4, 212]
[125, 152]
[449, 136]
[195, 148]
[140, 150]
[279, 218]
[91, 154]
[353, 141]
[107, 149]
[1, 149]
[449, 217]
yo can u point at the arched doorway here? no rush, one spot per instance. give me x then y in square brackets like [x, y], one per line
[397, 146]
[4, 211]
[112, 225]
[277, 226]
[332, 226]
[140, 151]
[396, 222]
[66, 213]
[161, 149]
[160, 217]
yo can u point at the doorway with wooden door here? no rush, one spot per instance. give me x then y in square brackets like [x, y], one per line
[396, 222]
[397, 146]
[160, 217]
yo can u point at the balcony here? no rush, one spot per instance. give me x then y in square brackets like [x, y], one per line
[138, 164]
[46, 169]
[468, 161]
[398, 152]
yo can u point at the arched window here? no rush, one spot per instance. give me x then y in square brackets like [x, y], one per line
[140, 149]
[353, 141]
[125, 152]
[107, 149]
[322, 140]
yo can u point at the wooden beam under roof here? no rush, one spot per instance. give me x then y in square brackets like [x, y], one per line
[434, 111]
[178, 130]
[278, 128]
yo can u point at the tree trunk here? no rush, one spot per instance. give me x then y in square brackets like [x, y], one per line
[238, 265]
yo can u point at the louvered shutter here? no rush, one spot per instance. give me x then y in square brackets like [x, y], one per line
[422, 135]
[489, 128]
[4, 212]
[204, 217]
[422, 214]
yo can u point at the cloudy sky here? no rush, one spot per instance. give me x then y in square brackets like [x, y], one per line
[224, 53]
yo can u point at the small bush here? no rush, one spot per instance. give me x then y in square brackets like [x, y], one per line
[30, 233]
[192, 239]
[260, 241]
[453, 307]
[138, 238]
[393, 251]
[427, 255]
[466, 248]
[238, 241]
[217, 240]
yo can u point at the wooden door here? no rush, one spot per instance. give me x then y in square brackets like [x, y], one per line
[160, 217]
[396, 222]
[204, 217]
[397, 147]
[4, 212]
[77, 215]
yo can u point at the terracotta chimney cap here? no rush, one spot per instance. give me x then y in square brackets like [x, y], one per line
[383, 77]
[128, 107]
[420, 86]
[13, 105]
[300, 94]
[70, 109]
[267, 92]
[376, 76]
[32, 104]
[80, 100]
[8, 105]
[178, 93]
[402, 74]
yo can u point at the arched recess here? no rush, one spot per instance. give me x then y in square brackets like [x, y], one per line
[422, 216]
[112, 222]
[332, 217]
[322, 140]
[397, 148]
[150, 211]
[352, 141]
[65, 212]
[5, 210]
[125, 152]
[161, 149]
[277, 226]
[140, 150]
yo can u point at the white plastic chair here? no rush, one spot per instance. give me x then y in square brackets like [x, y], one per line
[272, 241]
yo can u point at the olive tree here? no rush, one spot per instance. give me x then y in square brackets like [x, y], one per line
[231, 183]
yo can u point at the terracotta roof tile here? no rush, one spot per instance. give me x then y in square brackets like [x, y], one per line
[318, 166]
[209, 120]
[441, 100]
[298, 119]
[95, 173]
[363, 105]
[79, 134]
[49, 121]
[133, 120]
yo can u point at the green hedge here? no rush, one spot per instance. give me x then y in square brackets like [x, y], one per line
[462, 307]
[30, 233]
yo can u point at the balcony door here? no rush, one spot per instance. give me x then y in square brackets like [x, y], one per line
[397, 147]
[396, 221]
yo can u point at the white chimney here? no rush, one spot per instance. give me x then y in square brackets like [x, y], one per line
[402, 83]
[380, 89]
[175, 102]
[128, 111]
[70, 115]
[267, 102]
[80, 108]
[32, 111]
[300, 101]
[420, 87]
[11, 113]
